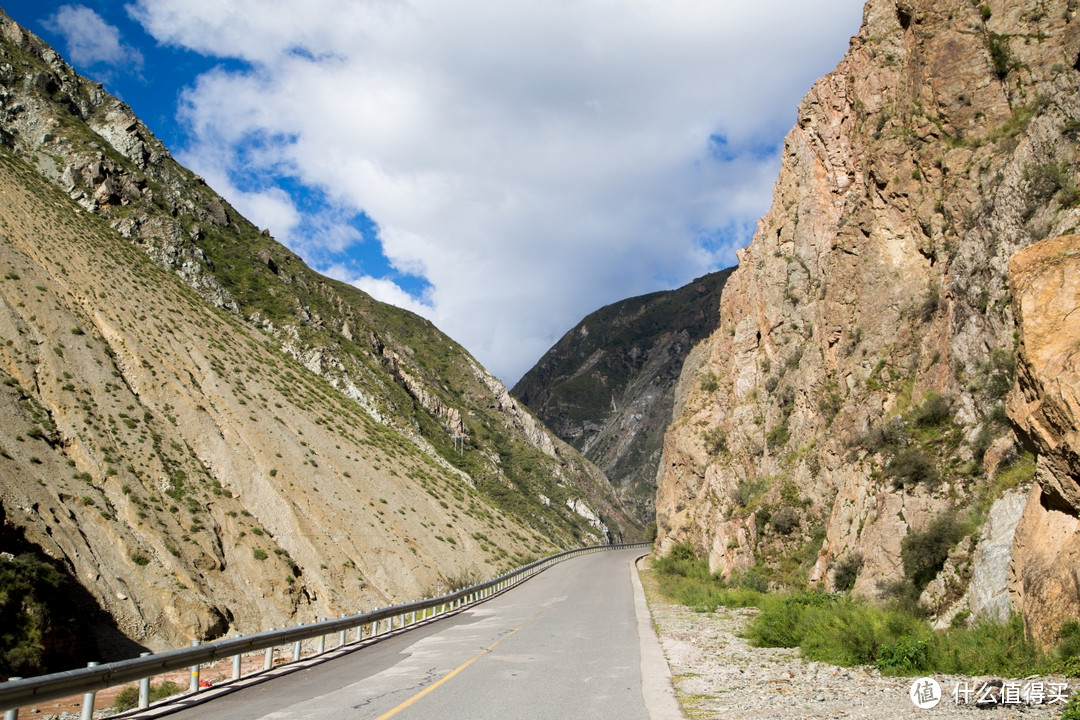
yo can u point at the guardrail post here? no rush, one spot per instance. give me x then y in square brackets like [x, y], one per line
[144, 689]
[341, 635]
[193, 686]
[296, 651]
[269, 662]
[13, 713]
[322, 641]
[88, 700]
[237, 666]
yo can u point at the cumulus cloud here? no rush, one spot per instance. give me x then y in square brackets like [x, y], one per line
[531, 161]
[91, 40]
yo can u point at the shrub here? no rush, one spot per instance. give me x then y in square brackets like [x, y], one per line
[885, 436]
[259, 554]
[850, 633]
[785, 521]
[924, 553]
[778, 624]
[715, 440]
[905, 656]
[650, 531]
[753, 580]
[1072, 708]
[683, 560]
[930, 305]
[910, 466]
[935, 410]
[777, 437]
[847, 572]
[749, 490]
[128, 698]
[1000, 54]
[1068, 649]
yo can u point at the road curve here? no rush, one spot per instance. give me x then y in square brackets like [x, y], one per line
[568, 643]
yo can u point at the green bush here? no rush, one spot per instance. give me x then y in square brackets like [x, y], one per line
[848, 633]
[989, 648]
[847, 572]
[777, 437]
[852, 631]
[36, 609]
[685, 578]
[128, 698]
[258, 554]
[904, 657]
[1071, 711]
[753, 580]
[785, 521]
[924, 553]
[683, 560]
[1068, 649]
[935, 410]
[910, 466]
[750, 489]
[884, 437]
[715, 440]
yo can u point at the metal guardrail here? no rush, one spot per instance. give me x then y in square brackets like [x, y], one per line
[20, 692]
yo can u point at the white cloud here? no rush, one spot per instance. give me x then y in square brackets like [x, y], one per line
[383, 289]
[91, 40]
[531, 160]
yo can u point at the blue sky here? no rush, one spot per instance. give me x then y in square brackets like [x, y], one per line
[503, 168]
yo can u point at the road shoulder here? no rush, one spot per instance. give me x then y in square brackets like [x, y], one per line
[656, 685]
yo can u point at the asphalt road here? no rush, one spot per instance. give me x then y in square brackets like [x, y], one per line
[565, 644]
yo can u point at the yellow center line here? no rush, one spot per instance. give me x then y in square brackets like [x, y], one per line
[448, 676]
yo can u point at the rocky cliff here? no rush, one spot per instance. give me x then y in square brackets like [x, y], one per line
[846, 423]
[209, 436]
[607, 387]
[1045, 407]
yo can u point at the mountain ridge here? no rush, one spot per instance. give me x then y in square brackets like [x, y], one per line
[207, 435]
[606, 387]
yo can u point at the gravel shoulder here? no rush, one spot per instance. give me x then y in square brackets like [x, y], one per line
[717, 674]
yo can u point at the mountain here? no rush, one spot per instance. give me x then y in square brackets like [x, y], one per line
[607, 387]
[847, 425]
[200, 435]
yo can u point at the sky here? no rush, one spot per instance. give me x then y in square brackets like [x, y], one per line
[501, 167]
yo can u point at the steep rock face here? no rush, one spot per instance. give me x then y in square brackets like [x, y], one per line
[208, 435]
[852, 395]
[607, 387]
[1045, 406]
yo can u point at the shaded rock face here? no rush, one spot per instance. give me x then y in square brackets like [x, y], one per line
[607, 387]
[210, 437]
[1045, 407]
[866, 345]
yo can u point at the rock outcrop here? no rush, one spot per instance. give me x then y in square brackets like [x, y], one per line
[607, 387]
[1045, 407]
[850, 405]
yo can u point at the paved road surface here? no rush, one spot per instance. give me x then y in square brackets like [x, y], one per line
[565, 644]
